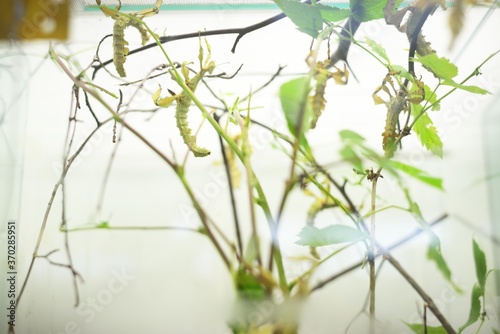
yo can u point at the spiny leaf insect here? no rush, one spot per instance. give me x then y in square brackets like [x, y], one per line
[184, 101]
[123, 21]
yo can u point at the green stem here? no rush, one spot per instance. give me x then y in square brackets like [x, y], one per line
[177, 169]
[239, 153]
[473, 74]
[385, 208]
[316, 265]
[369, 52]
[371, 255]
[244, 125]
[129, 228]
[203, 218]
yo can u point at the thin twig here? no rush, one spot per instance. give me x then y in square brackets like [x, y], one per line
[234, 209]
[245, 127]
[427, 299]
[345, 40]
[425, 318]
[175, 167]
[392, 247]
[49, 207]
[72, 120]
[166, 39]
[299, 129]
[371, 257]
[130, 228]
[76, 274]
[365, 304]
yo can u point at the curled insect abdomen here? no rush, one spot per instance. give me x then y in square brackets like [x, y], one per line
[120, 49]
[318, 100]
[141, 29]
[181, 111]
[394, 107]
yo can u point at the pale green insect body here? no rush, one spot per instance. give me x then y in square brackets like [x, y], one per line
[394, 108]
[123, 21]
[184, 101]
[181, 112]
[120, 49]
[318, 100]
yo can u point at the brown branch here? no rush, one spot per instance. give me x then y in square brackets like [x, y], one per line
[166, 39]
[232, 197]
[76, 274]
[416, 33]
[385, 252]
[360, 263]
[427, 299]
[346, 35]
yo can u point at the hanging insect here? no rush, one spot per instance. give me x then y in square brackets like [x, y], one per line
[322, 76]
[318, 100]
[184, 101]
[123, 21]
[396, 104]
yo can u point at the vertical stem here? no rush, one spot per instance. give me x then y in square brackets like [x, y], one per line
[245, 148]
[427, 299]
[371, 253]
[262, 198]
[425, 318]
[371, 262]
[231, 195]
[203, 218]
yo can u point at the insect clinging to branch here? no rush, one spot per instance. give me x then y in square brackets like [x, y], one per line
[123, 21]
[395, 105]
[184, 101]
[322, 76]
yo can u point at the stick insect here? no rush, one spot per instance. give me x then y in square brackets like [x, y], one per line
[122, 21]
[395, 105]
[322, 76]
[184, 101]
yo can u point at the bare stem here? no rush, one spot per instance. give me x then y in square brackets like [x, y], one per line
[244, 126]
[371, 254]
[360, 263]
[427, 299]
[179, 171]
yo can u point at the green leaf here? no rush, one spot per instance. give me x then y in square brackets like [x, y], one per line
[248, 287]
[333, 14]
[306, 17]
[348, 135]
[420, 329]
[251, 250]
[426, 131]
[475, 307]
[431, 97]
[333, 234]
[378, 49]
[434, 254]
[418, 174]
[349, 155]
[440, 66]
[292, 95]
[367, 10]
[415, 209]
[402, 72]
[472, 89]
[480, 261]
[103, 224]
